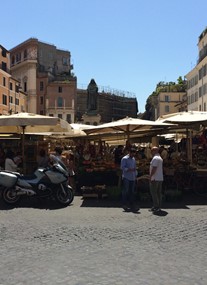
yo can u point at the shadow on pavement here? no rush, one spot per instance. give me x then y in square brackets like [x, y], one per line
[44, 204]
[103, 202]
[161, 213]
[184, 202]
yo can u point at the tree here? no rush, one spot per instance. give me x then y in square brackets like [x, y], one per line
[180, 80]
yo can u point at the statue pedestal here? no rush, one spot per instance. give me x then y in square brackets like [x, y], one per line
[91, 119]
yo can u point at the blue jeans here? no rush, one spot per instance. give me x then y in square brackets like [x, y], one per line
[128, 190]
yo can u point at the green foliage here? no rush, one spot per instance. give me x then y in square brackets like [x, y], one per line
[180, 80]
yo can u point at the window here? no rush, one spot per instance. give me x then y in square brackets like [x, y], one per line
[167, 98]
[25, 53]
[204, 107]
[65, 61]
[196, 79]
[13, 59]
[200, 92]
[200, 73]
[41, 100]
[60, 116]
[4, 66]
[4, 81]
[11, 86]
[60, 89]
[4, 99]
[196, 96]
[60, 102]
[204, 70]
[69, 118]
[25, 86]
[167, 108]
[10, 99]
[16, 101]
[18, 57]
[204, 89]
[41, 85]
[3, 52]
[192, 98]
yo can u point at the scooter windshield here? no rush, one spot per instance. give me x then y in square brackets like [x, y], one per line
[57, 160]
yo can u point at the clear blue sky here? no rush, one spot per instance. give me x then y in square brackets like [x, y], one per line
[128, 45]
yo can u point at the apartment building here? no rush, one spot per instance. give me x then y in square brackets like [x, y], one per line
[44, 72]
[170, 102]
[12, 98]
[197, 78]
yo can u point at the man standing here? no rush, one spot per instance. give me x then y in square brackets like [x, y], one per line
[156, 179]
[129, 174]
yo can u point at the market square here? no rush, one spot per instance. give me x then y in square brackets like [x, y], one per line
[95, 242]
[103, 143]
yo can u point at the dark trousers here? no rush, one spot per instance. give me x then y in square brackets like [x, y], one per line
[128, 192]
[156, 193]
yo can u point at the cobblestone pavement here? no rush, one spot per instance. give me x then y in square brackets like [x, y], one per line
[96, 242]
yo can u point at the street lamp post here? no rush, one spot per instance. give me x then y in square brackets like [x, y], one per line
[15, 96]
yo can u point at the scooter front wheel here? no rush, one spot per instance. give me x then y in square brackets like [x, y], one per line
[64, 195]
[10, 196]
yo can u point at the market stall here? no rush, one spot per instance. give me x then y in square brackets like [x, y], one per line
[28, 123]
[96, 170]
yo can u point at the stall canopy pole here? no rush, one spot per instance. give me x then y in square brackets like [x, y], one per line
[23, 148]
[190, 147]
[128, 133]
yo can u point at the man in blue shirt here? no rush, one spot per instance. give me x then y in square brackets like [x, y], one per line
[129, 175]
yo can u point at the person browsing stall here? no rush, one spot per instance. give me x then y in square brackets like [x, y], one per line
[10, 165]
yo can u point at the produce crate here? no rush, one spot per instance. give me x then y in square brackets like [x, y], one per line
[97, 191]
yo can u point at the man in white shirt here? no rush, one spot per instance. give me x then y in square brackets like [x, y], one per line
[156, 179]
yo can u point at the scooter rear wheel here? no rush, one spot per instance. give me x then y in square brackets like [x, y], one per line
[9, 196]
[64, 195]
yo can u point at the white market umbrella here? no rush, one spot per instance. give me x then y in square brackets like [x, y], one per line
[78, 129]
[188, 120]
[128, 126]
[31, 123]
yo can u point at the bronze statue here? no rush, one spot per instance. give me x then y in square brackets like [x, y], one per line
[92, 94]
